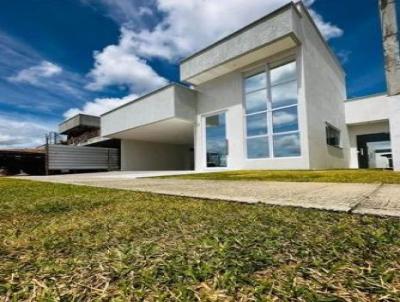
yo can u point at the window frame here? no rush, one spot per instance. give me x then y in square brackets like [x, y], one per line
[204, 137]
[329, 126]
[266, 68]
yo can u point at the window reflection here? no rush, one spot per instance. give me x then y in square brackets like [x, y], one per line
[284, 95]
[285, 120]
[257, 124]
[256, 101]
[276, 102]
[287, 145]
[258, 147]
[256, 82]
[283, 74]
[216, 142]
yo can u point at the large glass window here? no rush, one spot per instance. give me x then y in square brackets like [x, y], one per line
[271, 113]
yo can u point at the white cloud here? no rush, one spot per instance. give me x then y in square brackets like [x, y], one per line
[99, 106]
[15, 133]
[47, 90]
[327, 29]
[34, 74]
[284, 117]
[124, 11]
[119, 65]
[193, 24]
[186, 26]
[344, 55]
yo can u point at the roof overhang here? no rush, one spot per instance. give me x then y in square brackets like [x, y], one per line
[166, 115]
[169, 131]
[273, 34]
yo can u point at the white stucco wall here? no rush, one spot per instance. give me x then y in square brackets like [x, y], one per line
[147, 156]
[325, 92]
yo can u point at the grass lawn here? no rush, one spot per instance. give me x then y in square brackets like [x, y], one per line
[75, 243]
[346, 176]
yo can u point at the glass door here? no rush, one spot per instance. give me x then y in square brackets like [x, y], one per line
[216, 142]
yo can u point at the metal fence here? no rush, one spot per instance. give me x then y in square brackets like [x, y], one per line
[64, 157]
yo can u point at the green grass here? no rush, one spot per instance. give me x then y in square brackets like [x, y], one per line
[345, 176]
[75, 243]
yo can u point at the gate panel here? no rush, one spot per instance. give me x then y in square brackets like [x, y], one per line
[62, 157]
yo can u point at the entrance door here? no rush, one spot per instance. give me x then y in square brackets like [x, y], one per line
[374, 151]
[216, 142]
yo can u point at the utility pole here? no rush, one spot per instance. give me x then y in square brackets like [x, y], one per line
[391, 46]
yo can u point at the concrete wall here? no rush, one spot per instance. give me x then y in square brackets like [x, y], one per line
[226, 94]
[354, 130]
[146, 156]
[324, 92]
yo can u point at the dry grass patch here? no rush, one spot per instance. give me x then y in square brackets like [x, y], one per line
[74, 243]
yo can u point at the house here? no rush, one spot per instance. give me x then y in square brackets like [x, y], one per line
[269, 96]
[84, 130]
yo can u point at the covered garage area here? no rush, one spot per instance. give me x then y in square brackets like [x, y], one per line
[161, 137]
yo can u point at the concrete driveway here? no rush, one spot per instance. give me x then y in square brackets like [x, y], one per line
[374, 199]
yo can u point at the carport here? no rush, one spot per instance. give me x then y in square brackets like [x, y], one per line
[161, 137]
[370, 130]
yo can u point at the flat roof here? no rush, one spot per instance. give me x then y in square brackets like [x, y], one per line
[239, 31]
[77, 115]
[289, 5]
[24, 151]
[360, 98]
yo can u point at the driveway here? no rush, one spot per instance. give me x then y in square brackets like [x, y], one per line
[374, 199]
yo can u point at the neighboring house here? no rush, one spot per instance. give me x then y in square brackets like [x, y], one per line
[84, 130]
[269, 96]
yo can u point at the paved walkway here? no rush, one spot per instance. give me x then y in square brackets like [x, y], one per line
[374, 199]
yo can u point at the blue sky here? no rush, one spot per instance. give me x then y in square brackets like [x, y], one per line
[58, 58]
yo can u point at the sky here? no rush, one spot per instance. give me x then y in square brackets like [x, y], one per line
[62, 57]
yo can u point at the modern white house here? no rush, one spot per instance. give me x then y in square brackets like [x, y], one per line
[269, 96]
